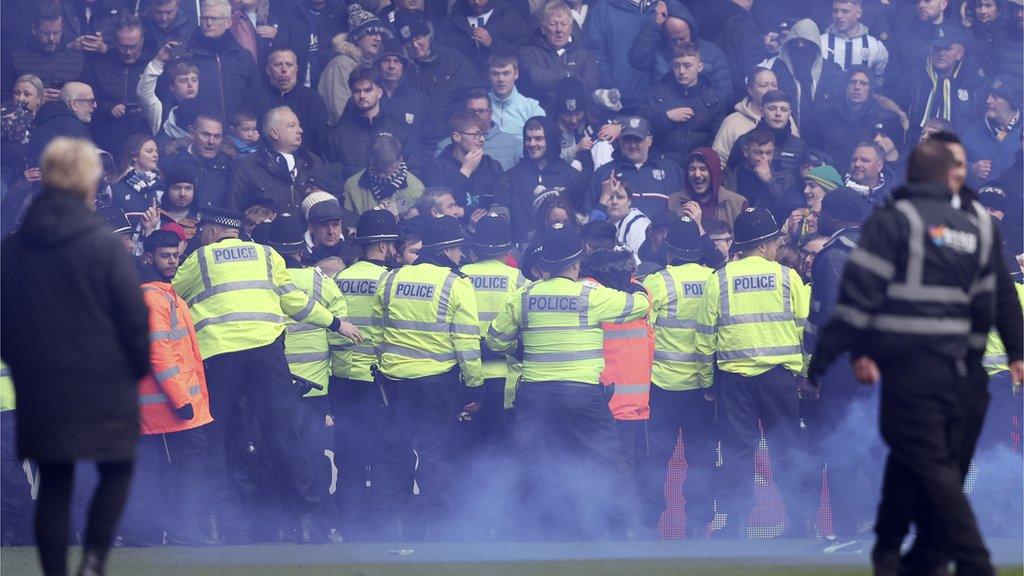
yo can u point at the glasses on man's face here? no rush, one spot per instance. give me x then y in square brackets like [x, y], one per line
[477, 135]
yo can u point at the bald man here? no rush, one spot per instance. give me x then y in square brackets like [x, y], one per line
[278, 173]
[69, 116]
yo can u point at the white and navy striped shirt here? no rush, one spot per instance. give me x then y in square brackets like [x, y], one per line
[861, 50]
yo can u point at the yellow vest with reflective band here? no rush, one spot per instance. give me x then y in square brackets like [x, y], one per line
[425, 322]
[752, 318]
[239, 294]
[493, 281]
[677, 293]
[560, 321]
[995, 360]
[358, 283]
[7, 401]
[306, 346]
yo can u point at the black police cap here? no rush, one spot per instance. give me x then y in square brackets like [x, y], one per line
[441, 232]
[377, 225]
[754, 227]
[493, 236]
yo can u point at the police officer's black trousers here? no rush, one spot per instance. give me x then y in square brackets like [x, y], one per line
[15, 489]
[689, 411]
[574, 481]
[166, 489]
[418, 439]
[770, 398]
[845, 435]
[318, 439]
[358, 409]
[261, 376]
[931, 416]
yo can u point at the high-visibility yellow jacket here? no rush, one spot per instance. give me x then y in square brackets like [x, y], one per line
[425, 322]
[358, 284]
[752, 318]
[7, 401]
[493, 282]
[560, 321]
[995, 360]
[307, 346]
[677, 293]
[239, 294]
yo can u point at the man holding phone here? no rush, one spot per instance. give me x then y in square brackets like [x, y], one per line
[43, 55]
[114, 77]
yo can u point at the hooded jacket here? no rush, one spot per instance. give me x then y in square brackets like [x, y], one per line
[827, 79]
[611, 27]
[524, 187]
[69, 287]
[720, 203]
[541, 67]
[226, 71]
[674, 140]
[651, 52]
[507, 27]
[737, 124]
[52, 120]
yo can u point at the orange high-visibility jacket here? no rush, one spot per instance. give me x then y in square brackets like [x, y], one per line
[178, 377]
[628, 357]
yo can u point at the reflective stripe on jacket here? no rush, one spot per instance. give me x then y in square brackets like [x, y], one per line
[677, 293]
[752, 318]
[628, 354]
[7, 401]
[178, 376]
[358, 284]
[995, 360]
[493, 283]
[559, 321]
[239, 294]
[425, 322]
[306, 346]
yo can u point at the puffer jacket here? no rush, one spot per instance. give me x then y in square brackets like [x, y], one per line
[651, 52]
[675, 140]
[541, 68]
[54, 68]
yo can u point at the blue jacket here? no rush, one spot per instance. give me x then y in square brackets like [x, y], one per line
[510, 114]
[651, 183]
[981, 144]
[826, 275]
[611, 27]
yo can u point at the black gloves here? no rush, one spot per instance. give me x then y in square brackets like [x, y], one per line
[186, 412]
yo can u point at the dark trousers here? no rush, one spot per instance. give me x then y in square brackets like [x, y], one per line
[358, 430]
[845, 435]
[689, 411]
[15, 489]
[261, 376]
[931, 415]
[418, 440]
[574, 479]
[770, 398]
[318, 439]
[167, 487]
[53, 511]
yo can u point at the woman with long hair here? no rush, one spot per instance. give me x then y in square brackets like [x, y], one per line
[140, 184]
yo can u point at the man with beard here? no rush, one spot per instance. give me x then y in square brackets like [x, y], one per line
[540, 174]
[869, 176]
[363, 120]
[280, 87]
[464, 168]
[555, 54]
[479, 28]
[324, 227]
[114, 77]
[357, 48]
[164, 21]
[354, 397]
[278, 172]
[205, 157]
[703, 185]
[43, 55]
[650, 179]
[176, 205]
[439, 72]
[802, 72]
[687, 110]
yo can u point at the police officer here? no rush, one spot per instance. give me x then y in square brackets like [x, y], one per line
[355, 398]
[426, 334]
[752, 320]
[917, 297]
[307, 350]
[239, 293]
[565, 437]
[680, 395]
[843, 403]
[493, 281]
